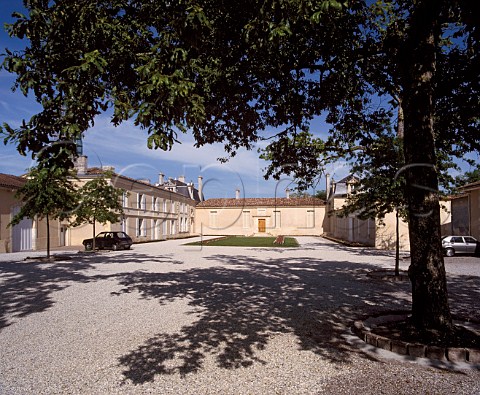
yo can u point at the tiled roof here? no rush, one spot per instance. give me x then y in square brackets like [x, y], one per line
[263, 202]
[182, 188]
[11, 181]
[93, 171]
[346, 179]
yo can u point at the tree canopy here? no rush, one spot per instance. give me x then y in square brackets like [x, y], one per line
[467, 178]
[227, 71]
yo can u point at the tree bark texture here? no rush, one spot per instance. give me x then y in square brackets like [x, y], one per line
[430, 308]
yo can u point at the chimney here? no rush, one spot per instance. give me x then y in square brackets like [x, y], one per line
[81, 165]
[190, 189]
[237, 193]
[161, 179]
[287, 192]
[181, 179]
[200, 188]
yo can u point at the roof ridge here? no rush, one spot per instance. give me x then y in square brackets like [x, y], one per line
[272, 201]
[11, 181]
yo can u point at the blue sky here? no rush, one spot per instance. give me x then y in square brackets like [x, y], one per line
[125, 148]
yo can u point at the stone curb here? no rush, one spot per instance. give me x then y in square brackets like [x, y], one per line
[415, 350]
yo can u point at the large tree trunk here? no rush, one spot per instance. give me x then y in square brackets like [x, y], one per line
[430, 309]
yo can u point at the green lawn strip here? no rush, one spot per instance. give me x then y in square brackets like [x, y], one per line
[242, 241]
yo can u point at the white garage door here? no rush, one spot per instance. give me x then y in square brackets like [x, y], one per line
[22, 234]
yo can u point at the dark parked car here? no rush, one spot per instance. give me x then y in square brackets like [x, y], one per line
[113, 240]
[460, 245]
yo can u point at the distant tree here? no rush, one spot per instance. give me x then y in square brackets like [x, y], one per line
[47, 194]
[322, 194]
[467, 178]
[99, 202]
[299, 194]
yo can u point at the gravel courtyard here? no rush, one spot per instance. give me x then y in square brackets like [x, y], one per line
[164, 318]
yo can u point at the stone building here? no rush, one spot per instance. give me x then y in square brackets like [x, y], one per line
[466, 211]
[260, 216]
[151, 211]
[29, 234]
[375, 232]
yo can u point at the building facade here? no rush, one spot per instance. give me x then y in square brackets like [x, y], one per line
[260, 216]
[29, 234]
[466, 211]
[172, 208]
[151, 211]
[378, 233]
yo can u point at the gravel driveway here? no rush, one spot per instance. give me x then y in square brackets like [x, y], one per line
[165, 318]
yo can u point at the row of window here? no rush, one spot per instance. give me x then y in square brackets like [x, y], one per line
[158, 227]
[158, 204]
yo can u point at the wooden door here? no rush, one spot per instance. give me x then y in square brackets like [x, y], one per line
[261, 226]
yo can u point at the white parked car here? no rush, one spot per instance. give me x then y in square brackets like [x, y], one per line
[460, 245]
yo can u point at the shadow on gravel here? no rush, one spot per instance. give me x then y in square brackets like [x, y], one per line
[247, 302]
[241, 305]
[126, 257]
[464, 294]
[27, 287]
